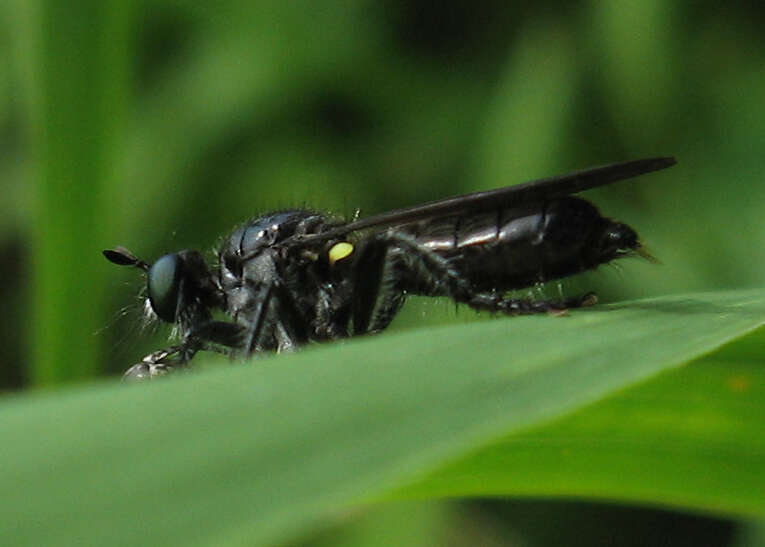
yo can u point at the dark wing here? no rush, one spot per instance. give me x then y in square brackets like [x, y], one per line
[509, 196]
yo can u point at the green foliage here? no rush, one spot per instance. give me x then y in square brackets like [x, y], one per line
[257, 454]
[695, 434]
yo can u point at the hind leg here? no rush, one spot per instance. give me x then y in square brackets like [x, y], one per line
[392, 265]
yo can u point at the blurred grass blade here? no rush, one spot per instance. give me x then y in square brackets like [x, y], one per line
[530, 111]
[82, 75]
[623, 37]
[255, 454]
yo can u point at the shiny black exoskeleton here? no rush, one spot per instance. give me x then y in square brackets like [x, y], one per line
[296, 276]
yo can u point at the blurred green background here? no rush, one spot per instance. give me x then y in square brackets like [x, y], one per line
[161, 124]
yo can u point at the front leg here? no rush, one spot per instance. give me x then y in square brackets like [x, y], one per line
[217, 336]
[159, 363]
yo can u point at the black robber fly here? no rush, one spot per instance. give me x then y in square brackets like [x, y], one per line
[291, 277]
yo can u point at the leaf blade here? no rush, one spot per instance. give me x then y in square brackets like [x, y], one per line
[651, 444]
[256, 454]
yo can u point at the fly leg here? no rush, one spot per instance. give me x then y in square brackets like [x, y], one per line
[331, 321]
[290, 328]
[525, 306]
[218, 336]
[159, 363]
[274, 322]
[393, 264]
[389, 266]
[379, 273]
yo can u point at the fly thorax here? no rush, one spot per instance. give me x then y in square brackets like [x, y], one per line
[242, 279]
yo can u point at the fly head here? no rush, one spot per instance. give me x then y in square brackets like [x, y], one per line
[179, 285]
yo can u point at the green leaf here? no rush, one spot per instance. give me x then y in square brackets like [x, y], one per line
[255, 454]
[691, 438]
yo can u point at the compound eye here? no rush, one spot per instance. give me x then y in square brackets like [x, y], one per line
[164, 283]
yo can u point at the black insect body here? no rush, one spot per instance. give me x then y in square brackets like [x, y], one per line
[292, 277]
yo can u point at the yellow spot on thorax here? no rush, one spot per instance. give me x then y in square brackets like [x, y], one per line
[339, 251]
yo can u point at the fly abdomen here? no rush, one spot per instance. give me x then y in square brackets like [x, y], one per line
[518, 247]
